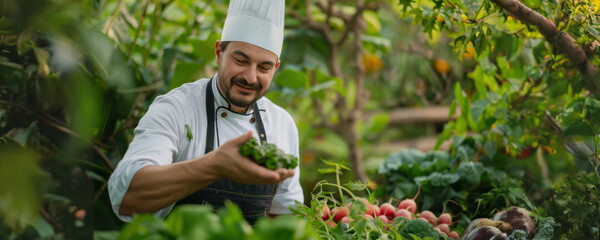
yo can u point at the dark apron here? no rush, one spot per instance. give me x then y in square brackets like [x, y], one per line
[254, 200]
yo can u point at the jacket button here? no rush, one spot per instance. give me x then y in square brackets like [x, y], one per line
[252, 120]
[224, 114]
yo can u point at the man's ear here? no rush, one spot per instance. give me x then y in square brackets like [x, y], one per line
[217, 52]
[277, 65]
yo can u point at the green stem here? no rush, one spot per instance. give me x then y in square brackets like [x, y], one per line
[478, 10]
[341, 188]
[337, 178]
[137, 32]
[112, 18]
[153, 30]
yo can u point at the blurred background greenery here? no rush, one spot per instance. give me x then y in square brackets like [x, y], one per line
[76, 77]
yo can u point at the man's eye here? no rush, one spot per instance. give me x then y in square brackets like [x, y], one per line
[240, 61]
[264, 68]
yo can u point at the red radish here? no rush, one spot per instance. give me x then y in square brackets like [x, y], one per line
[369, 206]
[403, 213]
[444, 227]
[439, 230]
[387, 222]
[454, 235]
[346, 220]
[446, 217]
[331, 224]
[324, 212]
[367, 216]
[429, 217]
[384, 219]
[410, 204]
[376, 210]
[388, 210]
[339, 213]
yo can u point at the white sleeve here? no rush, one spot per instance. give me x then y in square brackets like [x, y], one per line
[289, 190]
[155, 143]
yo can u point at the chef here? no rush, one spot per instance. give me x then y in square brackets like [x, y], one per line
[185, 148]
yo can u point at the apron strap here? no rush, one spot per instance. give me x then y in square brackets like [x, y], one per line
[259, 124]
[210, 117]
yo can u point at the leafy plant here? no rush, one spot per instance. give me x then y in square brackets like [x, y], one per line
[449, 175]
[201, 222]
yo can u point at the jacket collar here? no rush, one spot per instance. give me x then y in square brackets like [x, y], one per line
[220, 99]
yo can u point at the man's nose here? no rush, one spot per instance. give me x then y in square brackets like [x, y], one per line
[250, 74]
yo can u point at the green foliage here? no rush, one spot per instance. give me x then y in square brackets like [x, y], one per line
[20, 191]
[268, 155]
[201, 222]
[576, 206]
[449, 175]
[76, 78]
[545, 228]
[519, 235]
[419, 228]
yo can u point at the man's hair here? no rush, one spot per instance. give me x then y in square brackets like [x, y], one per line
[223, 45]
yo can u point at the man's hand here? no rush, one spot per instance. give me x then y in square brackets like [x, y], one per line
[230, 164]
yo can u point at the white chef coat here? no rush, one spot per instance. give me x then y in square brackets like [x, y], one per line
[161, 139]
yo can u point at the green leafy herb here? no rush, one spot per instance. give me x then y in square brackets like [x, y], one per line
[268, 155]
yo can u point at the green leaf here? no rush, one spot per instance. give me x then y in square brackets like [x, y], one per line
[490, 149]
[292, 79]
[355, 186]
[145, 226]
[106, 235]
[43, 228]
[188, 131]
[233, 221]
[284, 227]
[323, 78]
[478, 107]
[480, 43]
[592, 31]
[169, 58]
[184, 72]
[20, 188]
[326, 170]
[205, 48]
[334, 164]
[377, 123]
[194, 222]
[379, 43]
[470, 173]
[438, 179]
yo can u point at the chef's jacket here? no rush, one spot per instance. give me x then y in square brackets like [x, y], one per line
[161, 138]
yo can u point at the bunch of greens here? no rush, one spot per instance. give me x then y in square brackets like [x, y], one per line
[415, 229]
[268, 155]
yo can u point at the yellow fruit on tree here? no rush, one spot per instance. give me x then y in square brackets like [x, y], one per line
[470, 51]
[441, 66]
[463, 17]
[439, 18]
[371, 63]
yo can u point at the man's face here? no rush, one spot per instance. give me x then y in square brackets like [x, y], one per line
[245, 73]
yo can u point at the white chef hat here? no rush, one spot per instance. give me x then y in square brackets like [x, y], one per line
[259, 22]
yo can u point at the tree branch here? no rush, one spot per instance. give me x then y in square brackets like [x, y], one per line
[559, 39]
[319, 106]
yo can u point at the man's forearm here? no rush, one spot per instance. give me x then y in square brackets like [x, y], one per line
[156, 187]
